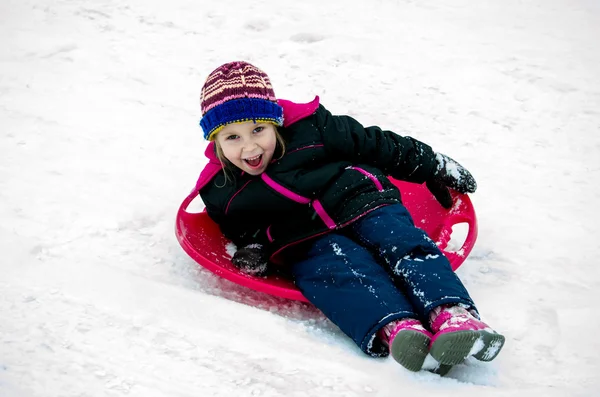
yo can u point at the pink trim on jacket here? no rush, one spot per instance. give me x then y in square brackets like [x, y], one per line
[361, 215]
[330, 223]
[210, 170]
[305, 147]
[293, 112]
[282, 190]
[236, 193]
[372, 177]
[274, 257]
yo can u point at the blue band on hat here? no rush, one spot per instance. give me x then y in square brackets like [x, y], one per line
[240, 110]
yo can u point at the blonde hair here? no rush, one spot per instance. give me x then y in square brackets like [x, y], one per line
[227, 166]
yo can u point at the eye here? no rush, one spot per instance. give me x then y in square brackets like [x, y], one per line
[231, 137]
[258, 129]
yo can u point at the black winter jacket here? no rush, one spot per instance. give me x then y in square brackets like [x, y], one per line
[333, 171]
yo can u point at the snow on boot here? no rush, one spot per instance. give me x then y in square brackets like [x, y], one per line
[458, 334]
[408, 342]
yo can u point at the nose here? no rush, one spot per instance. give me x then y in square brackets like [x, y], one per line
[249, 145]
[249, 150]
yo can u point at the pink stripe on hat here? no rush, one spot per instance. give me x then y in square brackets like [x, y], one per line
[235, 80]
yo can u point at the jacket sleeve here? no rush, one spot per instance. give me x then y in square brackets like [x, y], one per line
[240, 231]
[403, 158]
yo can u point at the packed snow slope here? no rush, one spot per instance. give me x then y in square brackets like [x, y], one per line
[99, 143]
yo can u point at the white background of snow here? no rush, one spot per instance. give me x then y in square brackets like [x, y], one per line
[99, 143]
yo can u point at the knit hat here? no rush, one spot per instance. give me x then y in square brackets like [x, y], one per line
[237, 92]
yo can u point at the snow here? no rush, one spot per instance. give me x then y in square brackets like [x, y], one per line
[337, 250]
[99, 143]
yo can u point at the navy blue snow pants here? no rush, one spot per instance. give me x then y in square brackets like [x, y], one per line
[378, 269]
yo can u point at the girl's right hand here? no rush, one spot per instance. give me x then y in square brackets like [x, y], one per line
[251, 259]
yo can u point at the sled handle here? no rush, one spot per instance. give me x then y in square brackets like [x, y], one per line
[456, 258]
[186, 202]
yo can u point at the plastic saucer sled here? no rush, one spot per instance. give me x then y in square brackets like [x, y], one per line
[201, 238]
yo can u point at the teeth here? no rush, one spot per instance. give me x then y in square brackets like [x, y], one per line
[253, 158]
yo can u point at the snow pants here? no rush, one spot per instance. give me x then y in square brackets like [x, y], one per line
[378, 269]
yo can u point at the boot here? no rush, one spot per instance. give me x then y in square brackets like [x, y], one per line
[408, 342]
[458, 334]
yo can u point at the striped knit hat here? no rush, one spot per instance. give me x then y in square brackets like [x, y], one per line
[237, 92]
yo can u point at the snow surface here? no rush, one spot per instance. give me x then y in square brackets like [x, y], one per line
[99, 143]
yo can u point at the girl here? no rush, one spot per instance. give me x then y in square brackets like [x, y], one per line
[291, 183]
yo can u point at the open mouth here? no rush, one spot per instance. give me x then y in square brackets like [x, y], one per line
[254, 162]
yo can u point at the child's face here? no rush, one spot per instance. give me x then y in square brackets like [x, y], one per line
[248, 146]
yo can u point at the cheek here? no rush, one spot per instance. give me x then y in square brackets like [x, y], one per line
[270, 143]
[229, 152]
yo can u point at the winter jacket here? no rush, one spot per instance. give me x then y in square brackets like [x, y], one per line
[333, 171]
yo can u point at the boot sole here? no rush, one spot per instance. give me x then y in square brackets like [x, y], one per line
[492, 344]
[409, 349]
[454, 347]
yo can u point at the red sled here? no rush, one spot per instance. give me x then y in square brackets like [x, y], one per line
[202, 240]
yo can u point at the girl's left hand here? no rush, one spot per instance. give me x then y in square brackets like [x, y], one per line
[449, 174]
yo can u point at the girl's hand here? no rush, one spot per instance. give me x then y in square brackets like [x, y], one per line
[449, 174]
[251, 259]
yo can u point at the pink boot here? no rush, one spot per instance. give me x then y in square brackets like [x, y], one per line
[408, 342]
[458, 334]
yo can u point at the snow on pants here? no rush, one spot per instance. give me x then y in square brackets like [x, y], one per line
[378, 269]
